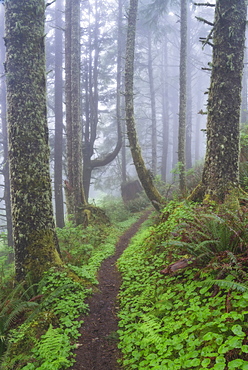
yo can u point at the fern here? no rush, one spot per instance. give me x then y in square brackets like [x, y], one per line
[51, 351]
[150, 329]
[226, 284]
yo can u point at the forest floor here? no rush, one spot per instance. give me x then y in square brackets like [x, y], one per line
[97, 346]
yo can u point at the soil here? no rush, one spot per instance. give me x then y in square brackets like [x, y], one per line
[97, 345]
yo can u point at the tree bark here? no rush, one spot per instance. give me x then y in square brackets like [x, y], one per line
[35, 239]
[143, 174]
[74, 186]
[221, 168]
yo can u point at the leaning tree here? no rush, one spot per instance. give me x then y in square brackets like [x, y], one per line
[35, 242]
[143, 173]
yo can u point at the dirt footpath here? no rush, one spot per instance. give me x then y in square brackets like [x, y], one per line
[97, 346]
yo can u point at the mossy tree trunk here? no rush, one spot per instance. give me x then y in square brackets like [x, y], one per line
[144, 174]
[221, 168]
[182, 98]
[35, 239]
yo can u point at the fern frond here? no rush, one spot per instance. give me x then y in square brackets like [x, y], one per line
[150, 329]
[226, 284]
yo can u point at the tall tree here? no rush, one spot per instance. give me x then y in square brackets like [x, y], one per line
[165, 109]
[4, 135]
[183, 97]
[91, 85]
[221, 167]
[144, 174]
[35, 239]
[74, 185]
[58, 103]
[153, 105]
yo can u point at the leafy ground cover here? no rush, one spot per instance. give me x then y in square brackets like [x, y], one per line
[44, 324]
[193, 318]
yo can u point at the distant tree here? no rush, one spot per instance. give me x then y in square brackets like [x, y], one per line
[221, 168]
[74, 185]
[153, 105]
[120, 89]
[91, 84]
[144, 175]
[58, 105]
[4, 135]
[35, 241]
[182, 97]
[165, 109]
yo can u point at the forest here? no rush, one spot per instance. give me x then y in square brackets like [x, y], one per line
[123, 185]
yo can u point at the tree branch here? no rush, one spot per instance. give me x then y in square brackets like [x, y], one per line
[204, 4]
[204, 21]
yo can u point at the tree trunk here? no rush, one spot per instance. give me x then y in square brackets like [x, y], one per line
[189, 77]
[119, 86]
[68, 101]
[144, 175]
[244, 100]
[183, 98]
[74, 186]
[58, 145]
[153, 106]
[5, 139]
[92, 110]
[35, 239]
[221, 168]
[165, 112]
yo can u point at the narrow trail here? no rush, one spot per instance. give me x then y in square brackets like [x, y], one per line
[97, 349]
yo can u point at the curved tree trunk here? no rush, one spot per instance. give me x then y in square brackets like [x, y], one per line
[221, 168]
[35, 239]
[92, 102]
[144, 175]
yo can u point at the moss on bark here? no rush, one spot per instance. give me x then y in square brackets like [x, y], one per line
[31, 193]
[221, 169]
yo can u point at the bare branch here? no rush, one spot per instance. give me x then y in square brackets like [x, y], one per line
[204, 21]
[204, 4]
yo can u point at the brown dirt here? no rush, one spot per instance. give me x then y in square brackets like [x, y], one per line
[97, 346]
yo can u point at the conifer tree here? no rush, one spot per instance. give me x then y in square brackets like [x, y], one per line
[35, 241]
[221, 169]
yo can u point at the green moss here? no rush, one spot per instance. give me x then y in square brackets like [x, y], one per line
[41, 254]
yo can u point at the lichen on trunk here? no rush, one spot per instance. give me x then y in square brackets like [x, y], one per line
[221, 169]
[35, 240]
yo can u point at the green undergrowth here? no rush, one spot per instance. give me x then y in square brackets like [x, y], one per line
[195, 317]
[44, 325]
